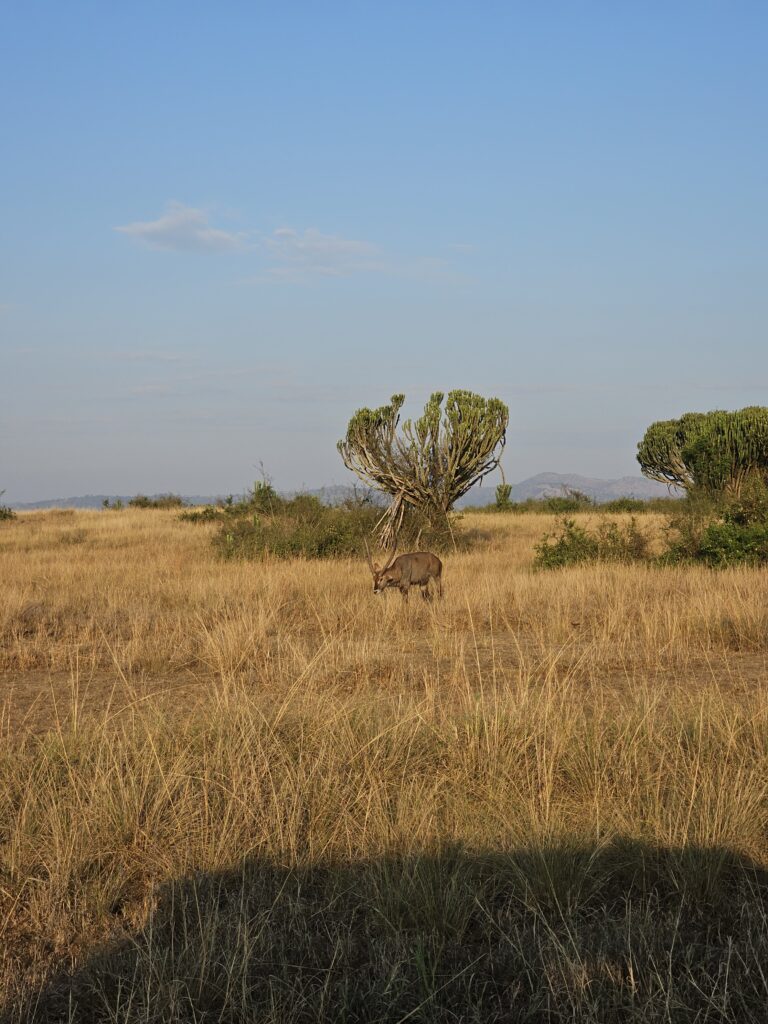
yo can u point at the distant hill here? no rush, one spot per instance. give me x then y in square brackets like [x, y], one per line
[332, 495]
[543, 485]
[97, 500]
[550, 485]
[83, 501]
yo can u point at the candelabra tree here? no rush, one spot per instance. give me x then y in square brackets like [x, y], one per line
[715, 452]
[430, 462]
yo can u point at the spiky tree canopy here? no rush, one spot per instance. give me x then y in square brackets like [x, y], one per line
[433, 460]
[715, 451]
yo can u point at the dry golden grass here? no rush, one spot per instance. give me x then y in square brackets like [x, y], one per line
[139, 594]
[237, 791]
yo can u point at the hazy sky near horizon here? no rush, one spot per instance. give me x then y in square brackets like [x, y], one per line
[227, 226]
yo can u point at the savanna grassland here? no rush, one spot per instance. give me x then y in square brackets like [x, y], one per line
[253, 791]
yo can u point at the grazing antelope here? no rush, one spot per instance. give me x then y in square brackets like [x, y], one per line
[405, 571]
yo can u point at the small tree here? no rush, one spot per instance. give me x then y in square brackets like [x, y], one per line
[6, 512]
[433, 461]
[715, 452]
[503, 496]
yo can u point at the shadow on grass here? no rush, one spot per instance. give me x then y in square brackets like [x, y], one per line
[623, 932]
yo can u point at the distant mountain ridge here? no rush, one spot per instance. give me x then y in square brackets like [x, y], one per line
[543, 485]
[549, 485]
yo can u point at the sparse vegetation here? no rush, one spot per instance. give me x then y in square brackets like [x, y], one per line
[262, 499]
[576, 501]
[303, 527]
[722, 530]
[633, 505]
[165, 501]
[265, 524]
[204, 514]
[354, 858]
[571, 544]
[236, 792]
[717, 529]
[503, 497]
[570, 500]
[298, 527]
[6, 512]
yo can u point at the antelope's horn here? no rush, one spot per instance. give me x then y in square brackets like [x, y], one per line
[392, 559]
[368, 556]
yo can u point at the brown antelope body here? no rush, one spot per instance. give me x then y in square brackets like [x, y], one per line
[416, 569]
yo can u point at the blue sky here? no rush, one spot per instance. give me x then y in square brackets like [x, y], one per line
[227, 226]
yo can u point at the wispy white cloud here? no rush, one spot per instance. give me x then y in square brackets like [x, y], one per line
[182, 228]
[302, 255]
[296, 253]
[288, 254]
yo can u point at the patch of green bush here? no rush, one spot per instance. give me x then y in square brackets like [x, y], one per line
[557, 504]
[297, 527]
[619, 505]
[750, 507]
[503, 497]
[721, 530]
[571, 544]
[724, 544]
[325, 535]
[572, 501]
[577, 502]
[262, 499]
[166, 501]
[206, 514]
[265, 524]
[6, 512]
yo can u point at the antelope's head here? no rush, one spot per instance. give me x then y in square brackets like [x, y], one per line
[381, 576]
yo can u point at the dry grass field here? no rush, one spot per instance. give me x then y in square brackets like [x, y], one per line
[254, 791]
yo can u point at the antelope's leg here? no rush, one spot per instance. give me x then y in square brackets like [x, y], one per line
[405, 582]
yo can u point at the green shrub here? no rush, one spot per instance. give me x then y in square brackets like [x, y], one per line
[301, 526]
[6, 512]
[561, 504]
[557, 504]
[687, 524]
[642, 505]
[503, 492]
[571, 544]
[262, 499]
[720, 529]
[750, 507]
[206, 514]
[729, 543]
[624, 505]
[159, 501]
[573, 501]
